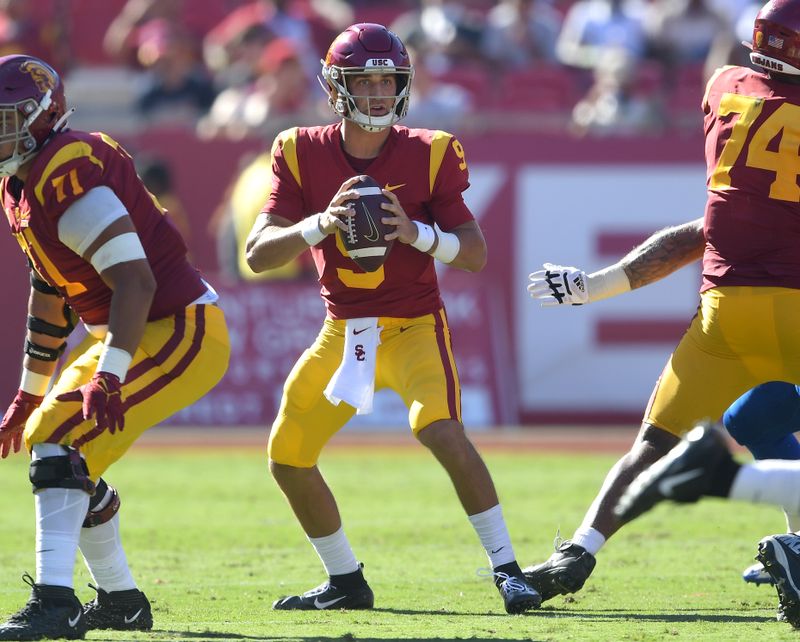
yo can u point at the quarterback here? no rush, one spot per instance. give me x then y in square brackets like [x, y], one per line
[744, 333]
[100, 250]
[384, 329]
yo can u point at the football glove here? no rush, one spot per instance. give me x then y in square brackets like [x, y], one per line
[559, 285]
[101, 399]
[13, 424]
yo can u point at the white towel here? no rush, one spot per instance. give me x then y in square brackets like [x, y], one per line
[354, 379]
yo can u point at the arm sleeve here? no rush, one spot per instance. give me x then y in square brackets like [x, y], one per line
[87, 217]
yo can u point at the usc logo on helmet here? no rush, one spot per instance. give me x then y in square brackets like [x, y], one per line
[42, 76]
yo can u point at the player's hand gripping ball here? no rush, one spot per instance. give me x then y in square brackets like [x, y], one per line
[365, 236]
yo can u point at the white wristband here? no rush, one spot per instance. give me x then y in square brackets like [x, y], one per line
[607, 283]
[448, 247]
[34, 383]
[309, 228]
[114, 360]
[426, 237]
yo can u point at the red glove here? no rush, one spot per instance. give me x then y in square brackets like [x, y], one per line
[13, 423]
[102, 399]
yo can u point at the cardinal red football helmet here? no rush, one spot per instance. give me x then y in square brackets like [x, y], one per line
[366, 48]
[32, 107]
[776, 37]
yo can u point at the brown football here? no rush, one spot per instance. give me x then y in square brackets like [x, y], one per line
[364, 237]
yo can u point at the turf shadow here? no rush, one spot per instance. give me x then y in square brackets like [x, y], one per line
[625, 614]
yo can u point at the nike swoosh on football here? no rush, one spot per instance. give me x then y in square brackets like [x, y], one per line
[133, 618]
[359, 331]
[325, 605]
[391, 188]
[666, 486]
[73, 621]
[373, 235]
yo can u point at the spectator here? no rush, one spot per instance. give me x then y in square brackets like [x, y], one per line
[244, 57]
[440, 105]
[22, 32]
[594, 26]
[157, 178]
[235, 216]
[220, 43]
[446, 32]
[683, 31]
[177, 88]
[520, 32]
[122, 38]
[277, 99]
[613, 105]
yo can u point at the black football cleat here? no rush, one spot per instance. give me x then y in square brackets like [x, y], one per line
[328, 597]
[684, 474]
[780, 555]
[565, 571]
[517, 595]
[119, 610]
[52, 612]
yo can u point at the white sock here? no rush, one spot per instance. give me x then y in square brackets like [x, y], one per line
[105, 558]
[59, 515]
[589, 538]
[335, 552]
[491, 529]
[769, 482]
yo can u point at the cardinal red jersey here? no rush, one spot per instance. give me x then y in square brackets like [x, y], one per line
[70, 165]
[426, 170]
[752, 221]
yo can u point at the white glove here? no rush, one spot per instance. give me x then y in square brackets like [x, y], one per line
[559, 285]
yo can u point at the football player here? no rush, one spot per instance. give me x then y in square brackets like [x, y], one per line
[763, 419]
[702, 466]
[100, 250]
[744, 332]
[384, 329]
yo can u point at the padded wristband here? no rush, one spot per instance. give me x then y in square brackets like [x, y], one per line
[607, 283]
[448, 247]
[310, 231]
[426, 237]
[34, 383]
[115, 361]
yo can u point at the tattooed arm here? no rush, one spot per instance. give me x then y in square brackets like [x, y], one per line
[660, 255]
[663, 253]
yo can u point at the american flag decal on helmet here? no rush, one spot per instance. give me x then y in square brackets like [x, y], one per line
[774, 41]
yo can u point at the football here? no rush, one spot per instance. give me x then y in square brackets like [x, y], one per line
[364, 239]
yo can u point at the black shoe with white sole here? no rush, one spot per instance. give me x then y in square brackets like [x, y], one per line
[565, 571]
[328, 596]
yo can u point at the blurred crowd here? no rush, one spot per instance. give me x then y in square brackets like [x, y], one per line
[243, 70]
[248, 68]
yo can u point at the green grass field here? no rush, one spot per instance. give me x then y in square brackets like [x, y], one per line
[212, 543]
